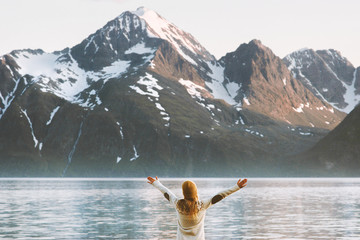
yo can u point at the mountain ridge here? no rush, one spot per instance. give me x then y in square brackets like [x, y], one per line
[328, 75]
[276, 83]
[124, 102]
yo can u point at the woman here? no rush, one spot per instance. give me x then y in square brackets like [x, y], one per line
[190, 210]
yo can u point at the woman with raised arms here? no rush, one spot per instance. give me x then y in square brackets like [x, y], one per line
[191, 210]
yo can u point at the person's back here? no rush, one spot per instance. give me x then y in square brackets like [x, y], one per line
[190, 210]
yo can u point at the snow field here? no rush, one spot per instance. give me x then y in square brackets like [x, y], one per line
[158, 27]
[46, 68]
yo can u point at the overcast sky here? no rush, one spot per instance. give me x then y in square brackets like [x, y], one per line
[220, 26]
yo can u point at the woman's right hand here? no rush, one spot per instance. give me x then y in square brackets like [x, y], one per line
[242, 183]
[151, 180]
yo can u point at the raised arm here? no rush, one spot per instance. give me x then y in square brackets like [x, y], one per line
[167, 193]
[223, 194]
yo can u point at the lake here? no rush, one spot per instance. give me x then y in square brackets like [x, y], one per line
[132, 209]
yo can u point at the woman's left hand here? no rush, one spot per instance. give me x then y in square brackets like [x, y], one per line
[242, 183]
[151, 180]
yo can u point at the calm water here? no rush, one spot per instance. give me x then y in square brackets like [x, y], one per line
[132, 209]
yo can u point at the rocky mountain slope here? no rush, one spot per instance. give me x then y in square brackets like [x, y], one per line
[328, 75]
[268, 87]
[141, 97]
[337, 154]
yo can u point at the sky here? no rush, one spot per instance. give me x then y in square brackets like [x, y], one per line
[220, 26]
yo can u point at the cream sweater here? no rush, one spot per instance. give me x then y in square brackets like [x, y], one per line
[192, 227]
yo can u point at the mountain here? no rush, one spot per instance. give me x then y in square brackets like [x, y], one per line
[328, 75]
[338, 153]
[142, 97]
[267, 86]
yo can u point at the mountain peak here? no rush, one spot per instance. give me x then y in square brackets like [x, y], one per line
[256, 42]
[253, 46]
[302, 50]
[157, 25]
[184, 42]
[265, 81]
[326, 73]
[141, 11]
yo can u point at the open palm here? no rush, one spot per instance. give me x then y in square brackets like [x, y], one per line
[151, 180]
[242, 183]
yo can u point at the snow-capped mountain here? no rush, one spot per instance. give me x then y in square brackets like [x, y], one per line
[140, 96]
[328, 75]
[135, 32]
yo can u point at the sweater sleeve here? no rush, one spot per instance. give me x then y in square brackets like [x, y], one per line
[221, 195]
[167, 193]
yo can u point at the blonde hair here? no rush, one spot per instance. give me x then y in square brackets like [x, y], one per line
[188, 205]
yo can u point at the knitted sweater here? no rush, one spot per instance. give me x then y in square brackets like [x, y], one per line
[191, 227]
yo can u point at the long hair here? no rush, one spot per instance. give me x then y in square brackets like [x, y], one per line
[189, 205]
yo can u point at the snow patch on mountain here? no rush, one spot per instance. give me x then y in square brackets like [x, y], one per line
[158, 27]
[120, 130]
[52, 114]
[152, 88]
[116, 69]
[158, 106]
[196, 91]
[240, 120]
[8, 99]
[140, 49]
[31, 127]
[350, 97]
[163, 113]
[301, 131]
[299, 109]
[151, 85]
[226, 92]
[246, 101]
[255, 133]
[136, 155]
[193, 89]
[36, 64]
[152, 64]
[63, 77]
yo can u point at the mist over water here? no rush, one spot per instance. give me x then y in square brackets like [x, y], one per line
[132, 209]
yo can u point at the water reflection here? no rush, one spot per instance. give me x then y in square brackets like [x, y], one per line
[132, 209]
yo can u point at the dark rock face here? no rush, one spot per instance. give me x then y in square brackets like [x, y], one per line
[337, 154]
[341, 66]
[110, 43]
[11, 82]
[325, 73]
[133, 100]
[357, 81]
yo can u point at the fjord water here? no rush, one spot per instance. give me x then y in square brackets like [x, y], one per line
[132, 209]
